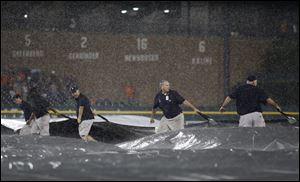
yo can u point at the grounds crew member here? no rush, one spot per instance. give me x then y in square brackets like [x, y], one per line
[28, 115]
[40, 105]
[168, 101]
[85, 116]
[248, 99]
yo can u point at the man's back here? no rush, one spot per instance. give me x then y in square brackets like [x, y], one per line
[248, 99]
[27, 110]
[82, 100]
[39, 105]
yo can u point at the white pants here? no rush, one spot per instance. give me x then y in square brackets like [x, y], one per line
[176, 123]
[254, 119]
[85, 127]
[37, 126]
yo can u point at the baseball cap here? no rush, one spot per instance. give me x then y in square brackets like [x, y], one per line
[17, 96]
[74, 89]
[251, 78]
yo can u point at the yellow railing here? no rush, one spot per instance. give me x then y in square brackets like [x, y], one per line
[16, 111]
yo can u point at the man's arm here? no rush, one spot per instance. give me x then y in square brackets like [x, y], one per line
[187, 103]
[32, 116]
[273, 103]
[155, 105]
[93, 111]
[152, 115]
[225, 103]
[80, 112]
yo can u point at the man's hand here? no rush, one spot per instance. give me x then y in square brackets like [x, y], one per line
[222, 109]
[79, 120]
[28, 122]
[151, 120]
[94, 112]
[196, 110]
[278, 108]
[225, 103]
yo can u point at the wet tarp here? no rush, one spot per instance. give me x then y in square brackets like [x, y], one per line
[265, 139]
[119, 128]
[207, 153]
